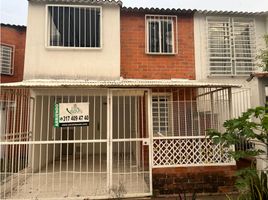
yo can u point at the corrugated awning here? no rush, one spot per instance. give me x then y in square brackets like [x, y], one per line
[224, 12]
[122, 83]
[113, 2]
[190, 11]
[147, 10]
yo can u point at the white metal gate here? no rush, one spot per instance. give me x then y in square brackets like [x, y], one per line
[108, 158]
[130, 144]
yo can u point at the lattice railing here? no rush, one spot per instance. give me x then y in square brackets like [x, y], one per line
[189, 151]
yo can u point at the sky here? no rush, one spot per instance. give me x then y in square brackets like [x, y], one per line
[15, 11]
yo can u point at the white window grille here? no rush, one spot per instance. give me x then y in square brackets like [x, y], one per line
[161, 34]
[162, 110]
[74, 26]
[6, 58]
[231, 45]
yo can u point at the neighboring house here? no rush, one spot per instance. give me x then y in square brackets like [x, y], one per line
[12, 107]
[226, 45]
[115, 109]
[12, 44]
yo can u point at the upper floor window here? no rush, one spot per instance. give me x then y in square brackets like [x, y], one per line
[160, 34]
[74, 26]
[231, 46]
[6, 59]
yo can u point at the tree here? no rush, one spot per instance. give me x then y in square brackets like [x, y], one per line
[263, 56]
[253, 127]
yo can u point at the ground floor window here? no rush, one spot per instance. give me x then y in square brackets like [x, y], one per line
[162, 111]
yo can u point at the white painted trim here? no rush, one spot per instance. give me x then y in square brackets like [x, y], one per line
[54, 142]
[180, 137]
[150, 135]
[109, 158]
[46, 27]
[151, 15]
[130, 140]
[196, 165]
[128, 92]
[74, 92]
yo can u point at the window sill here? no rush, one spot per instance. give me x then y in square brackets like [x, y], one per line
[161, 54]
[228, 76]
[74, 48]
[6, 74]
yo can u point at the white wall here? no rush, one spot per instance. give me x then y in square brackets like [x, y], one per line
[44, 63]
[201, 56]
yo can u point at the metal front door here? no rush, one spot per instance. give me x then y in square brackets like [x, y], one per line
[130, 174]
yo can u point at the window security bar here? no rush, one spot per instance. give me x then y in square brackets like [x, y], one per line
[74, 26]
[6, 59]
[161, 34]
[231, 46]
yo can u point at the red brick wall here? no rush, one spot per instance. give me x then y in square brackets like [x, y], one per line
[14, 35]
[136, 64]
[194, 180]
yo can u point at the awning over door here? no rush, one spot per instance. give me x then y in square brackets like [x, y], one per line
[122, 83]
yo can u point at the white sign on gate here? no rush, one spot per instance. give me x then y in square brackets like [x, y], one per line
[71, 114]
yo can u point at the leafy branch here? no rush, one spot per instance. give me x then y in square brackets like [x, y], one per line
[251, 126]
[263, 56]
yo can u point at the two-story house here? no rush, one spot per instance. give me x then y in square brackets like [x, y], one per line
[12, 46]
[114, 107]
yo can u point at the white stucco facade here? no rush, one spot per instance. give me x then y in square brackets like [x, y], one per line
[202, 58]
[72, 63]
